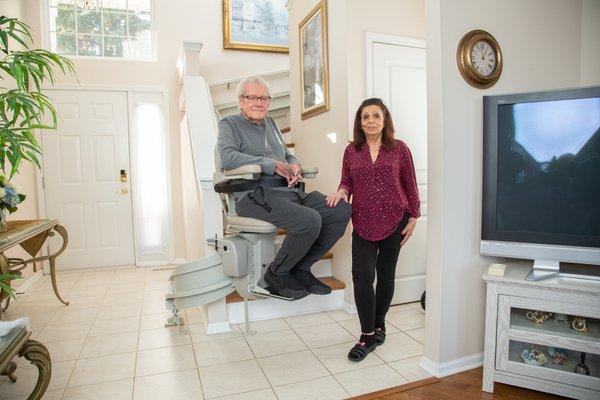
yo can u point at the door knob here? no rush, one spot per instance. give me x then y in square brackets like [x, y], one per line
[123, 175]
[123, 191]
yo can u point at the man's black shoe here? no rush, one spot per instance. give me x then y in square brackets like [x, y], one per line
[310, 282]
[285, 285]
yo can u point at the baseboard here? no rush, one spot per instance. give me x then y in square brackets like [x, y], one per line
[263, 309]
[350, 308]
[27, 283]
[447, 368]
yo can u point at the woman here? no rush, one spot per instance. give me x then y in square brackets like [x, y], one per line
[379, 174]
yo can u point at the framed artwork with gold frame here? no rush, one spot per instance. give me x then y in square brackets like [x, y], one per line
[314, 65]
[258, 25]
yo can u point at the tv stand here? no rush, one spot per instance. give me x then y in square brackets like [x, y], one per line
[512, 334]
[545, 269]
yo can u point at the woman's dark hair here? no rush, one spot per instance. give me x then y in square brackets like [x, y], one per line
[387, 137]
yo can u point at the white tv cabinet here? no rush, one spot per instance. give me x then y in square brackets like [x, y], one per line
[508, 331]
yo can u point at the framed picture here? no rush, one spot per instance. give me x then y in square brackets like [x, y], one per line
[260, 25]
[314, 73]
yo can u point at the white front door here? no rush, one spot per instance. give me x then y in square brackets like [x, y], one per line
[399, 79]
[86, 178]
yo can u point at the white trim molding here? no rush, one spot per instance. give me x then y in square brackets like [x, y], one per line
[350, 308]
[447, 368]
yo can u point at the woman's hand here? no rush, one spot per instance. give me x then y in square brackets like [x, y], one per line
[408, 230]
[333, 199]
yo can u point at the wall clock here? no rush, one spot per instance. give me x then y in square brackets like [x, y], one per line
[479, 59]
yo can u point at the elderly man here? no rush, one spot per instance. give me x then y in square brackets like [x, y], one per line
[312, 228]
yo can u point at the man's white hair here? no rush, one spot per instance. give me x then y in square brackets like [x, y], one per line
[249, 81]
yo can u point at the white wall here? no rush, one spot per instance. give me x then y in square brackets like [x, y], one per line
[175, 21]
[540, 41]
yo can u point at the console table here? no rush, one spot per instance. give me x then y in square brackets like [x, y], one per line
[17, 342]
[31, 235]
[525, 319]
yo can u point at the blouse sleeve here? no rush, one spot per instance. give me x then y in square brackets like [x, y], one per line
[346, 182]
[409, 183]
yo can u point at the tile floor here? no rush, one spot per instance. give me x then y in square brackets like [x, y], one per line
[110, 343]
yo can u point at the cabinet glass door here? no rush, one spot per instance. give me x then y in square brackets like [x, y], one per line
[549, 340]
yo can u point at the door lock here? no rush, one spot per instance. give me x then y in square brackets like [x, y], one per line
[123, 191]
[123, 175]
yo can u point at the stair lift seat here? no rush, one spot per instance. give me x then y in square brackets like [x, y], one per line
[244, 252]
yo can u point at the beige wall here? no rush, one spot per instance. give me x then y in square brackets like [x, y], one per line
[590, 44]
[11, 8]
[313, 148]
[540, 41]
[175, 21]
[348, 22]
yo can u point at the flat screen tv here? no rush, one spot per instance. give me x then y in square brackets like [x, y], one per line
[541, 178]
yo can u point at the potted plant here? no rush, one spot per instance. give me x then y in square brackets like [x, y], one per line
[23, 109]
[23, 105]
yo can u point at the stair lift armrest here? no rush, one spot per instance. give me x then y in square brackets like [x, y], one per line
[310, 172]
[248, 172]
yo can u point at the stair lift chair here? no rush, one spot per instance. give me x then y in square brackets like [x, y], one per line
[244, 252]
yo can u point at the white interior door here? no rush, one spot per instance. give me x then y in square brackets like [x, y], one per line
[399, 79]
[83, 163]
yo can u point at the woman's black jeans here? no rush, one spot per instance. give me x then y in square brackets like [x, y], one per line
[368, 257]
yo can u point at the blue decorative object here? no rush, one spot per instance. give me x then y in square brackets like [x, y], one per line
[10, 198]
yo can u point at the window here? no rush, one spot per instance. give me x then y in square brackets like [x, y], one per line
[150, 179]
[101, 28]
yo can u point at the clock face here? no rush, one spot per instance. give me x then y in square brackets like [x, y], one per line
[483, 58]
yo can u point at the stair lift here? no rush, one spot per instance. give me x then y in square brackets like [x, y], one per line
[244, 253]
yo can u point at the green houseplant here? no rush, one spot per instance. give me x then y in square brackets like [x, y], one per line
[23, 109]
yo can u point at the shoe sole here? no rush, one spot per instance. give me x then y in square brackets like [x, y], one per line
[296, 294]
[323, 292]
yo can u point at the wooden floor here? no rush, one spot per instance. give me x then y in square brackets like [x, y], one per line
[466, 386]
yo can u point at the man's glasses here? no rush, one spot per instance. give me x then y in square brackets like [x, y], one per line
[262, 99]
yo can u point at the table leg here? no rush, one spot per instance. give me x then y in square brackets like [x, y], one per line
[9, 371]
[39, 356]
[52, 259]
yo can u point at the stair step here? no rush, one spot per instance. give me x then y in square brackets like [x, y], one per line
[328, 280]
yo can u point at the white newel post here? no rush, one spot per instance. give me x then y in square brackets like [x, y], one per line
[198, 112]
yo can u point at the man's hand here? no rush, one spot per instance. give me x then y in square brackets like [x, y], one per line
[408, 230]
[296, 174]
[285, 170]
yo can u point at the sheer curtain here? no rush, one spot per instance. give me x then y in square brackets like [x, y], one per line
[150, 179]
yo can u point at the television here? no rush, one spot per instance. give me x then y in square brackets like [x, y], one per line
[541, 179]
